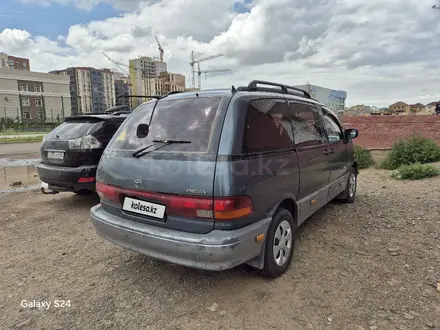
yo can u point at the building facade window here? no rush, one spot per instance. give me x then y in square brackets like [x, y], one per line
[25, 102]
[37, 88]
[39, 102]
[26, 115]
[40, 115]
[23, 87]
[3, 63]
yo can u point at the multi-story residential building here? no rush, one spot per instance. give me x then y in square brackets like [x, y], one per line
[34, 96]
[144, 72]
[332, 98]
[416, 108]
[169, 82]
[91, 90]
[430, 107]
[399, 108]
[122, 87]
[14, 63]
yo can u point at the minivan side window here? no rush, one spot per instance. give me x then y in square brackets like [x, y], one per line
[307, 125]
[268, 127]
[334, 132]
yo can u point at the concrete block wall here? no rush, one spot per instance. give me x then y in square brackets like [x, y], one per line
[381, 132]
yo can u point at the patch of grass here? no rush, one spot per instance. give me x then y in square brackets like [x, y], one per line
[416, 171]
[363, 157]
[413, 149]
[22, 139]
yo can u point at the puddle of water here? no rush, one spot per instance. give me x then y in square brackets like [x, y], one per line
[11, 162]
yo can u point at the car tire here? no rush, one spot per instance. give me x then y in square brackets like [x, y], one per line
[279, 244]
[83, 192]
[349, 195]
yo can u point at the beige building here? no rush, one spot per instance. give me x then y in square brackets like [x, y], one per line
[14, 63]
[34, 96]
[109, 88]
[399, 108]
[169, 82]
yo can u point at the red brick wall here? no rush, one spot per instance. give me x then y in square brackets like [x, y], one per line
[380, 132]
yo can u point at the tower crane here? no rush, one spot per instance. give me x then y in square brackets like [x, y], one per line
[160, 49]
[118, 64]
[199, 73]
[195, 61]
[143, 72]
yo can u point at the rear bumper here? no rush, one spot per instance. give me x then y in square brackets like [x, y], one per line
[66, 178]
[217, 250]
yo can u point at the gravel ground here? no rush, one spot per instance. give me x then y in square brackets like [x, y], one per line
[371, 265]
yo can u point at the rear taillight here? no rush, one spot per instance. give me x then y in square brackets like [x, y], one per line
[108, 192]
[218, 208]
[85, 143]
[228, 208]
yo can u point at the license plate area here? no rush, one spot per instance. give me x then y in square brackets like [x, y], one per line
[138, 206]
[58, 155]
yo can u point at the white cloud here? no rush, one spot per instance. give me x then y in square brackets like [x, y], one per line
[379, 52]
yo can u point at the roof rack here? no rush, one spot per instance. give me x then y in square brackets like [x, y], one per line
[285, 89]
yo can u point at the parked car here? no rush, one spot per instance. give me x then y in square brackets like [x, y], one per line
[71, 152]
[214, 179]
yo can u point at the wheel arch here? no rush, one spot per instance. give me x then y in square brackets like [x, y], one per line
[289, 203]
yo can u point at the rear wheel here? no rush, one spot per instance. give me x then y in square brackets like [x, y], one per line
[279, 244]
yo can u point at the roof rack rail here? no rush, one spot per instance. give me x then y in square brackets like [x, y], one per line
[141, 96]
[253, 86]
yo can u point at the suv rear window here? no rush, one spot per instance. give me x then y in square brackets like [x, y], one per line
[73, 129]
[188, 119]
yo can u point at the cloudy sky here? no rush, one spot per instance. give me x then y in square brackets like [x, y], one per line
[378, 51]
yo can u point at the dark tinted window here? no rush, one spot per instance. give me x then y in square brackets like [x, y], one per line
[334, 132]
[307, 125]
[183, 119]
[73, 129]
[267, 126]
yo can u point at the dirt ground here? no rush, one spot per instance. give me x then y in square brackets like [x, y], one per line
[371, 265]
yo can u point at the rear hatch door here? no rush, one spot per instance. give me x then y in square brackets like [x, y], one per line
[59, 149]
[183, 167]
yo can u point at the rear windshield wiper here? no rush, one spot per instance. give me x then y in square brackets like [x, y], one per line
[140, 152]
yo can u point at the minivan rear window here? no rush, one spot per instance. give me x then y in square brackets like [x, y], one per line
[72, 129]
[189, 119]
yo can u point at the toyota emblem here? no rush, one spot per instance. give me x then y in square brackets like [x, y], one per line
[137, 183]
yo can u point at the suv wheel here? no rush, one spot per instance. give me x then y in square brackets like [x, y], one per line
[279, 244]
[349, 195]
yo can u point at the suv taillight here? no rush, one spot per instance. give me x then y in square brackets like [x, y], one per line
[218, 208]
[85, 143]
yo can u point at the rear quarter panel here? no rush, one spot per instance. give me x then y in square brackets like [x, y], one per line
[267, 180]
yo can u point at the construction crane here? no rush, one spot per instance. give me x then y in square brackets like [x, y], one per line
[118, 64]
[160, 49]
[143, 72]
[194, 61]
[199, 73]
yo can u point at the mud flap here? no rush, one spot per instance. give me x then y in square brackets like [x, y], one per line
[258, 261]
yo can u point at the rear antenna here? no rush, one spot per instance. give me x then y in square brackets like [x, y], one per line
[233, 90]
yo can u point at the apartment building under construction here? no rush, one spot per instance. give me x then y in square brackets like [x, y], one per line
[150, 77]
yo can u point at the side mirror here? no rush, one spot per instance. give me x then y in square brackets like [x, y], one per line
[142, 130]
[350, 134]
